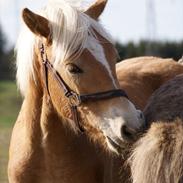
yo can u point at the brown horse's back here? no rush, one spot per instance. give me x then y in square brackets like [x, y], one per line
[141, 76]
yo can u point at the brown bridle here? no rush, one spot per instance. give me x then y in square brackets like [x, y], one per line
[73, 98]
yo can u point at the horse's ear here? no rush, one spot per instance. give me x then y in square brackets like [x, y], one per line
[96, 9]
[36, 23]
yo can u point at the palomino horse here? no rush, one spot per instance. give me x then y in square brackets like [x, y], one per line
[66, 72]
[158, 156]
[141, 76]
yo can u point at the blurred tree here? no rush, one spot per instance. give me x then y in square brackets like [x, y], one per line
[160, 49]
[2, 42]
[6, 57]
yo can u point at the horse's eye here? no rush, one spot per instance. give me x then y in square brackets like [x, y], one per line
[73, 69]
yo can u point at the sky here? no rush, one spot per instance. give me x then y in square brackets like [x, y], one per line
[126, 20]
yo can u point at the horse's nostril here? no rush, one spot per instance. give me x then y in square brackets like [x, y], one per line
[141, 115]
[127, 133]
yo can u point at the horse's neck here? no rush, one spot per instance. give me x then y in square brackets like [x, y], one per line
[66, 149]
[57, 135]
[30, 114]
[62, 150]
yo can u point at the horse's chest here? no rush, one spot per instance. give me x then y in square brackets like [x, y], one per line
[72, 166]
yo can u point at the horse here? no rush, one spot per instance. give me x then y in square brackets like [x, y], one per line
[141, 76]
[158, 155]
[74, 114]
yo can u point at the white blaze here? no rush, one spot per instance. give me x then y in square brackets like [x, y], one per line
[98, 52]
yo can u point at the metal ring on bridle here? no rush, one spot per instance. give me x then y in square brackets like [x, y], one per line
[74, 99]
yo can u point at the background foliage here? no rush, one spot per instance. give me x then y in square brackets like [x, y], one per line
[6, 59]
[160, 49]
[10, 102]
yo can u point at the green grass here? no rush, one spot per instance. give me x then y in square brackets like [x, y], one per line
[10, 102]
[5, 134]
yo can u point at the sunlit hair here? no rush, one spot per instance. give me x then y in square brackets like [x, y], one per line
[70, 30]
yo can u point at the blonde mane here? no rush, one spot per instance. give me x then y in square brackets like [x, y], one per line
[71, 29]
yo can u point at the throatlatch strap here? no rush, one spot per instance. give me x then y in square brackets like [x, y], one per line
[45, 74]
[61, 82]
[76, 117]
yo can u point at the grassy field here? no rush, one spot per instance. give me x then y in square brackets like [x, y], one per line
[10, 102]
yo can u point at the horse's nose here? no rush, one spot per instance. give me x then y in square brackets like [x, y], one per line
[128, 133]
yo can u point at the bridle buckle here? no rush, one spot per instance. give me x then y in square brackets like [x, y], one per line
[73, 98]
